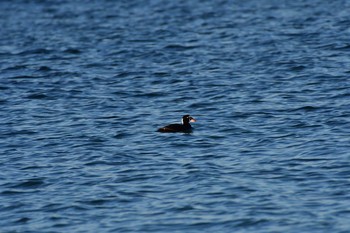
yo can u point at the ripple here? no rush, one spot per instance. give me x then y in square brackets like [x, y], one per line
[44, 68]
[178, 47]
[32, 183]
[24, 77]
[72, 51]
[22, 220]
[36, 51]
[37, 96]
[15, 192]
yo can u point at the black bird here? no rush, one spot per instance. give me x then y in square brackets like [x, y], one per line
[185, 127]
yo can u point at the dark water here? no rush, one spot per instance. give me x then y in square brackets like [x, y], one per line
[85, 84]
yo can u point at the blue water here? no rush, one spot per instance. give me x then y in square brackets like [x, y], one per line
[85, 84]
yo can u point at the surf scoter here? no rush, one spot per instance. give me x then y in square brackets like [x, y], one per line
[185, 127]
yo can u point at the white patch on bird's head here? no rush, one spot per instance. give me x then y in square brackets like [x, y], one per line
[188, 119]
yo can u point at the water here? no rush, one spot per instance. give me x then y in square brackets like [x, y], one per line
[85, 84]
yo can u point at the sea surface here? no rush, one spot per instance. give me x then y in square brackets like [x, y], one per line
[84, 85]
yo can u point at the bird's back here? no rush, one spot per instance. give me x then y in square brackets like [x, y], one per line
[174, 128]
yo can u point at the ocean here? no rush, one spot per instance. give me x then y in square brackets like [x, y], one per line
[84, 85]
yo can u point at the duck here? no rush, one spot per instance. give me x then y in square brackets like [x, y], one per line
[185, 127]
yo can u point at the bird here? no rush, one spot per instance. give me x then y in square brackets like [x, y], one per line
[185, 127]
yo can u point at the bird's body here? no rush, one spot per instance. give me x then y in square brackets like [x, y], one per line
[185, 127]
